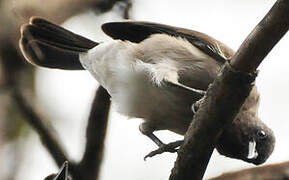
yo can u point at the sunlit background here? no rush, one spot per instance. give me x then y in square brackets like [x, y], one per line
[65, 97]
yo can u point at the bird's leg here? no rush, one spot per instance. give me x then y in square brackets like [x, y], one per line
[155, 139]
[147, 130]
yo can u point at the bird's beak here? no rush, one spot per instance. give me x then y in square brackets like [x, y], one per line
[252, 151]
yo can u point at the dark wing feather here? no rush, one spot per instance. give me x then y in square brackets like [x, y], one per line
[137, 31]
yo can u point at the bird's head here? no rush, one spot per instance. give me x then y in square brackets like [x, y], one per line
[247, 138]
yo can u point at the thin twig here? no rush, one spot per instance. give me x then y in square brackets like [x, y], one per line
[227, 94]
[47, 138]
[126, 12]
[95, 135]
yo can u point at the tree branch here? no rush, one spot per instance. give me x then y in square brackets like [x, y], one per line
[95, 135]
[227, 94]
[47, 138]
[263, 38]
[127, 8]
[274, 171]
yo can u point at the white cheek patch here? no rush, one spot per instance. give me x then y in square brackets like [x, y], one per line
[252, 152]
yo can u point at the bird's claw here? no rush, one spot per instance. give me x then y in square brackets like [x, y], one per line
[171, 147]
[195, 108]
[196, 105]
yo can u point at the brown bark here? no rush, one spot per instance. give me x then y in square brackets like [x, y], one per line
[227, 94]
[270, 172]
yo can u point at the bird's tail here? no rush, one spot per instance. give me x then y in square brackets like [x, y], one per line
[48, 45]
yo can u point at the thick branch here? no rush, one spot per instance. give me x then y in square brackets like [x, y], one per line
[45, 134]
[221, 104]
[95, 135]
[227, 94]
[274, 171]
[263, 38]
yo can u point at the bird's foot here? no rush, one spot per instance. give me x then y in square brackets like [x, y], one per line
[196, 105]
[171, 147]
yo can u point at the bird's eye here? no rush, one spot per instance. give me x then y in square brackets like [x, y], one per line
[261, 134]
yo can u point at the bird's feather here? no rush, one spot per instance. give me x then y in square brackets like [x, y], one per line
[137, 31]
[48, 45]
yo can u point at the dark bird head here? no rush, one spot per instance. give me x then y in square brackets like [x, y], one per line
[252, 143]
[247, 138]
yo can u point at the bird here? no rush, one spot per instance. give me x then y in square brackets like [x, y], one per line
[155, 72]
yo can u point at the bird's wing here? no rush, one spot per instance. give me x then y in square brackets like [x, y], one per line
[189, 80]
[137, 31]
